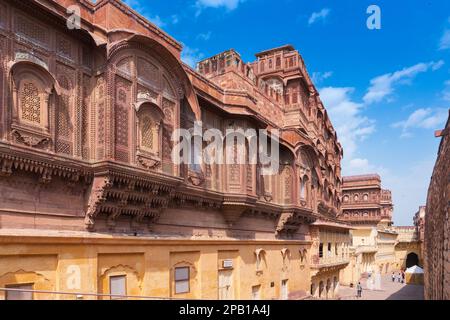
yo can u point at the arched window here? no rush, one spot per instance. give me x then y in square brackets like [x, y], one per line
[30, 103]
[196, 156]
[143, 83]
[302, 189]
[33, 95]
[149, 117]
[305, 189]
[147, 133]
[287, 185]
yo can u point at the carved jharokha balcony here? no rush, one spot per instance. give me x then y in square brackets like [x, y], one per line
[361, 219]
[366, 249]
[329, 262]
[117, 190]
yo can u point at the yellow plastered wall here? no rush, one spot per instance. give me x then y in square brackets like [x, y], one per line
[149, 266]
[39, 270]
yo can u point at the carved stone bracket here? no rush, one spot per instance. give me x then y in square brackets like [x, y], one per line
[117, 195]
[196, 179]
[233, 213]
[96, 198]
[148, 163]
[10, 163]
[268, 197]
[234, 207]
[46, 176]
[6, 167]
[186, 198]
[30, 140]
[283, 225]
[290, 221]
[326, 210]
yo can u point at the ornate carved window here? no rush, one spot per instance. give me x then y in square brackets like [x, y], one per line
[148, 73]
[149, 129]
[304, 185]
[30, 103]
[147, 133]
[33, 86]
[63, 117]
[196, 157]
[147, 102]
[32, 106]
[125, 67]
[276, 84]
[287, 181]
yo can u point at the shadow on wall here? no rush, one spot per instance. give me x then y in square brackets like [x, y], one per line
[408, 292]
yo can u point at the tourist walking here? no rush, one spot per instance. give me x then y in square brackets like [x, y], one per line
[393, 276]
[359, 290]
[403, 276]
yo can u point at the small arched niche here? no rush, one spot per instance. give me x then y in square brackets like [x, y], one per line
[32, 88]
[149, 134]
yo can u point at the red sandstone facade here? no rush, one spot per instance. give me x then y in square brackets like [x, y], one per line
[437, 225]
[364, 202]
[86, 118]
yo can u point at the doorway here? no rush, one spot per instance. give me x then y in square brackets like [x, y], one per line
[284, 290]
[226, 289]
[412, 260]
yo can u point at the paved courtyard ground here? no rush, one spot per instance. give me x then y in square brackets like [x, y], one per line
[389, 291]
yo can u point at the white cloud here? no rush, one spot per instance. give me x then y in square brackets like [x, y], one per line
[422, 119]
[446, 92]
[321, 15]
[409, 188]
[191, 56]
[352, 127]
[409, 184]
[140, 8]
[156, 20]
[318, 77]
[227, 4]
[359, 166]
[204, 36]
[383, 86]
[444, 42]
[175, 19]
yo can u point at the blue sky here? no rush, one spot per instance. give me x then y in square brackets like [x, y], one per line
[386, 90]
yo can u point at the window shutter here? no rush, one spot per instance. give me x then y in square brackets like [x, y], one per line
[20, 295]
[117, 286]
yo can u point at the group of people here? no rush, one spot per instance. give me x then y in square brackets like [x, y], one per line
[400, 277]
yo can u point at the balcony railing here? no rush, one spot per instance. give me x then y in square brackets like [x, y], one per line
[366, 249]
[321, 262]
